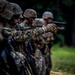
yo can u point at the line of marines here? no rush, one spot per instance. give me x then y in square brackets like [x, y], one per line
[25, 40]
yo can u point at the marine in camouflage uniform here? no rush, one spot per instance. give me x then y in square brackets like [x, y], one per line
[7, 63]
[29, 19]
[19, 52]
[16, 18]
[40, 61]
[44, 41]
[12, 15]
[48, 37]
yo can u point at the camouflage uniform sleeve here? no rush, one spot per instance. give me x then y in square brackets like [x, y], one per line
[48, 36]
[52, 28]
[49, 28]
[33, 33]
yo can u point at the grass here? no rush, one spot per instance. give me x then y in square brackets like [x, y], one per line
[63, 58]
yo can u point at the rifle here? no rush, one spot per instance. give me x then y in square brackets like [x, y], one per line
[33, 27]
[14, 30]
[56, 22]
[26, 35]
[60, 25]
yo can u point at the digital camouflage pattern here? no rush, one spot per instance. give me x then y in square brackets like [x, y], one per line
[40, 62]
[17, 9]
[3, 0]
[3, 3]
[47, 15]
[32, 33]
[19, 59]
[48, 36]
[52, 27]
[38, 23]
[46, 43]
[6, 11]
[40, 36]
[28, 13]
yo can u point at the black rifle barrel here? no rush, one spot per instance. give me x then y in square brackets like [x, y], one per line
[57, 22]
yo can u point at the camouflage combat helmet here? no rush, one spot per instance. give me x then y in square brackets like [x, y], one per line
[38, 23]
[30, 13]
[52, 27]
[6, 10]
[2, 3]
[2, 0]
[17, 9]
[47, 15]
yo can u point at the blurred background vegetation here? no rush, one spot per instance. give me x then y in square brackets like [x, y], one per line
[63, 10]
[63, 59]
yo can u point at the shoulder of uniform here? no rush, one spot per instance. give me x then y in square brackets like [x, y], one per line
[52, 27]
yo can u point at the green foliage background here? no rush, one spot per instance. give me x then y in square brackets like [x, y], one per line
[63, 59]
